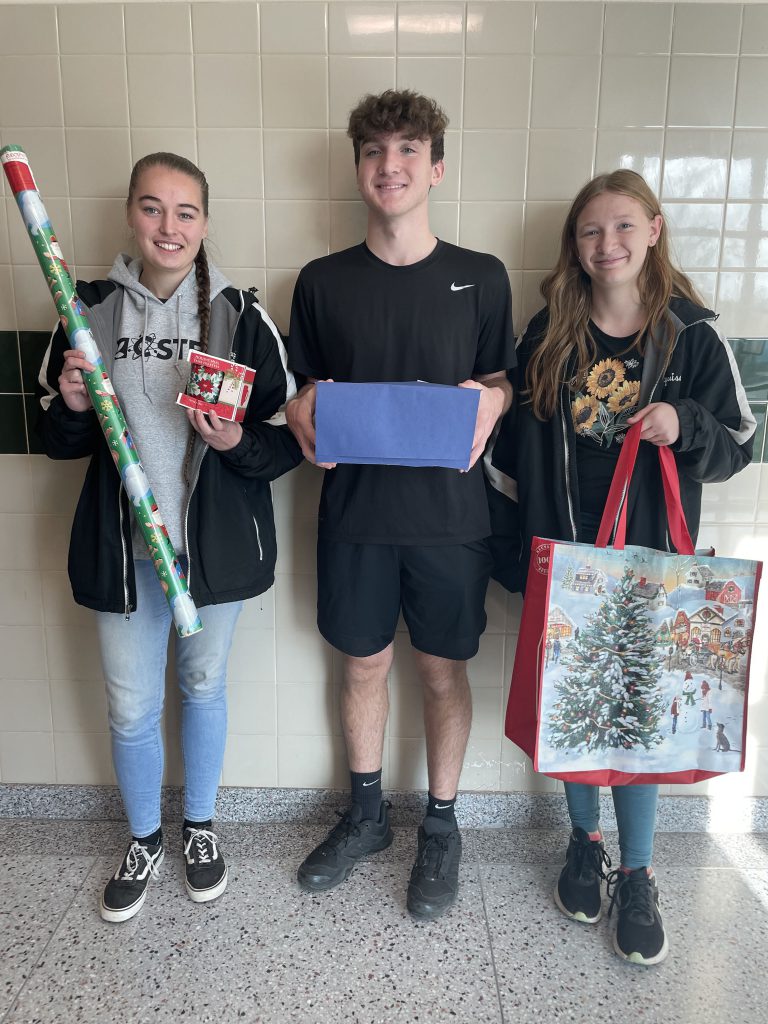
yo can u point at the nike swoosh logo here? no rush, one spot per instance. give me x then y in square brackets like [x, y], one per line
[365, 784]
[460, 287]
[441, 807]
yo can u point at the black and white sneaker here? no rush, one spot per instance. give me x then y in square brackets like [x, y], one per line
[204, 867]
[640, 937]
[125, 892]
[434, 882]
[353, 838]
[578, 891]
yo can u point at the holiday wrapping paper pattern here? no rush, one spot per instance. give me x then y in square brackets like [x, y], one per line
[644, 660]
[74, 320]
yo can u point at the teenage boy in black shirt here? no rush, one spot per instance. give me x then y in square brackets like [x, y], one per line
[402, 305]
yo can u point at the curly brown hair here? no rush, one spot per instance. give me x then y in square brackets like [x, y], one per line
[398, 111]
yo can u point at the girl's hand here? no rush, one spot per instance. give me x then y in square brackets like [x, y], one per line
[220, 434]
[661, 425]
[71, 385]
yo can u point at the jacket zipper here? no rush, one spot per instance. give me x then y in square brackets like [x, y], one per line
[567, 468]
[258, 538]
[125, 553]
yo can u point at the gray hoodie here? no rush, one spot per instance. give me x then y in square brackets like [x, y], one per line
[149, 371]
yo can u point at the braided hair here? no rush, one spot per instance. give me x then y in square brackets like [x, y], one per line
[174, 162]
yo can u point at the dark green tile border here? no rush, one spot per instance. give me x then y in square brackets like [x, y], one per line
[13, 436]
[32, 346]
[10, 375]
[31, 410]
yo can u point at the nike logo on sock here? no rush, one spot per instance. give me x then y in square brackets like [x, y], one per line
[460, 287]
[366, 784]
[441, 807]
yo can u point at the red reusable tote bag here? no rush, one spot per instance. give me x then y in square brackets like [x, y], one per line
[632, 664]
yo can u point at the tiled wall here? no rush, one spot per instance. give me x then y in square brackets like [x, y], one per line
[540, 96]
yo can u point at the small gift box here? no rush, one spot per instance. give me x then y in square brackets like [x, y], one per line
[217, 385]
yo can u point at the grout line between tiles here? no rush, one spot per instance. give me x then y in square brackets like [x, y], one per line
[479, 867]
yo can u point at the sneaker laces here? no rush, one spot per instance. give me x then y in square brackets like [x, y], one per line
[133, 862]
[340, 833]
[432, 855]
[204, 842]
[632, 893]
[593, 854]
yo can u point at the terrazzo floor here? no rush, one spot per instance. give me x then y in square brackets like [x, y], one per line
[267, 953]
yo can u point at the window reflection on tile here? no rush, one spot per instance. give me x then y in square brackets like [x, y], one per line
[695, 164]
[361, 28]
[751, 355]
[749, 166]
[500, 27]
[430, 28]
[746, 235]
[759, 452]
[695, 230]
[636, 150]
[705, 283]
[742, 301]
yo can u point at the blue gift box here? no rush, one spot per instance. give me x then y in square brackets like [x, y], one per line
[406, 423]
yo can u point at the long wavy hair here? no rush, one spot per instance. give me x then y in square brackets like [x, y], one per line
[567, 291]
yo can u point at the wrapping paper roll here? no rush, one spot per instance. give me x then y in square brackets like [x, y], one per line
[74, 320]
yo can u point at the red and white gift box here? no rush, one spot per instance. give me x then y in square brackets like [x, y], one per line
[217, 385]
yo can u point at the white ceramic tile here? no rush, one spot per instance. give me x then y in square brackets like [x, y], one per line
[564, 91]
[486, 669]
[91, 28]
[227, 90]
[733, 501]
[250, 761]
[566, 28]
[695, 233]
[73, 652]
[47, 157]
[706, 28]
[161, 91]
[754, 36]
[343, 181]
[348, 224]
[493, 227]
[280, 285]
[59, 608]
[559, 163]
[633, 92]
[27, 757]
[78, 706]
[307, 709]
[22, 250]
[637, 150]
[501, 27]
[517, 772]
[246, 278]
[361, 28]
[33, 300]
[307, 659]
[252, 656]
[7, 308]
[232, 162]
[742, 299]
[18, 541]
[351, 78]
[99, 161]
[444, 221]
[100, 230]
[56, 485]
[406, 711]
[296, 603]
[158, 140]
[295, 91]
[706, 285]
[701, 91]
[160, 28]
[84, 759]
[408, 763]
[26, 705]
[637, 28]
[751, 109]
[482, 764]
[16, 484]
[749, 166]
[293, 28]
[252, 709]
[441, 77]
[295, 164]
[494, 165]
[312, 761]
[30, 91]
[23, 652]
[297, 232]
[746, 236]
[259, 612]
[105, 106]
[497, 91]
[225, 28]
[430, 28]
[52, 540]
[298, 492]
[20, 598]
[236, 227]
[541, 236]
[696, 164]
[27, 29]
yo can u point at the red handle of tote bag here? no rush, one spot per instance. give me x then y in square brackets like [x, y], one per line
[616, 503]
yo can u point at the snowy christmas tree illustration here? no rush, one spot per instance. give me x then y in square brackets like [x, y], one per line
[609, 694]
[567, 581]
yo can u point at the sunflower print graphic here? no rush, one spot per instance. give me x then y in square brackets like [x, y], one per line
[605, 377]
[601, 408]
[625, 397]
[585, 412]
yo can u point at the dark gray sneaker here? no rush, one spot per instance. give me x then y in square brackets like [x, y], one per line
[125, 892]
[578, 892]
[204, 868]
[434, 881]
[353, 838]
[640, 937]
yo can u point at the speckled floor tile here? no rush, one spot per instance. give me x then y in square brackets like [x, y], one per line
[36, 892]
[77, 838]
[266, 952]
[550, 969]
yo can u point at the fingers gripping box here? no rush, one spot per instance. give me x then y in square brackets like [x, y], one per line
[217, 385]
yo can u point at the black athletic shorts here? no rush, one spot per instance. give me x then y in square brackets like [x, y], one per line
[441, 590]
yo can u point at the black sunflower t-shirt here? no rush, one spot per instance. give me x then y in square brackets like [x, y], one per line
[600, 407]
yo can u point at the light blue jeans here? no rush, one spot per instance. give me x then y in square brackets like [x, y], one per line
[635, 808]
[134, 652]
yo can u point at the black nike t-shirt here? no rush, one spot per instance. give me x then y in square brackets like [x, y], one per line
[600, 408]
[444, 320]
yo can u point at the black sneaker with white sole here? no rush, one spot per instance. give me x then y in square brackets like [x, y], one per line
[434, 882]
[204, 867]
[640, 937]
[125, 892]
[353, 838]
[578, 891]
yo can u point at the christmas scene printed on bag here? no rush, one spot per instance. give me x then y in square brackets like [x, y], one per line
[645, 661]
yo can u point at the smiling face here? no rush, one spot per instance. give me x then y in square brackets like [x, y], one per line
[167, 216]
[395, 174]
[613, 234]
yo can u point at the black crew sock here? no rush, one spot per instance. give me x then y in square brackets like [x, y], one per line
[195, 824]
[153, 839]
[366, 791]
[443, 809]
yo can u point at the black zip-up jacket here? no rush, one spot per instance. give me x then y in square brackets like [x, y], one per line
[229, 523]
[717, 429]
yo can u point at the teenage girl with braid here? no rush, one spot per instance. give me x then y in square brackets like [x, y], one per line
[211, 480]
